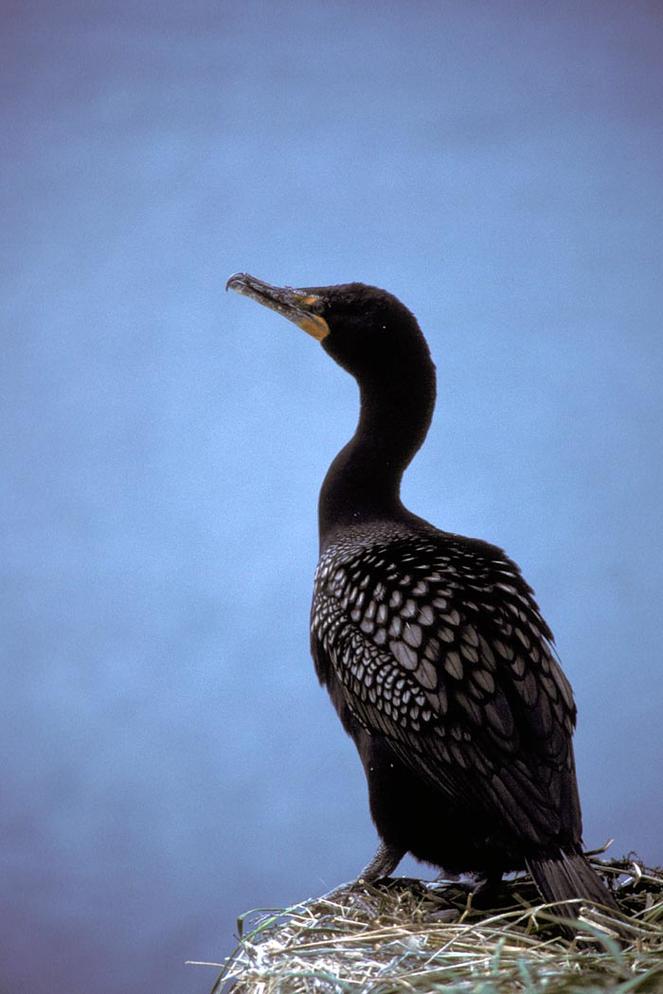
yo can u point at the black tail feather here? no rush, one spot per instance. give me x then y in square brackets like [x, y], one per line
[562, 875]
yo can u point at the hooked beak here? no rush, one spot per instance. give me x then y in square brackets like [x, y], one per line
[292, 304]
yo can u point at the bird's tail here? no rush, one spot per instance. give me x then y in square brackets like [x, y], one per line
[562, 875]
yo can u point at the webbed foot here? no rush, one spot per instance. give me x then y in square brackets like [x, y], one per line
[383, 863]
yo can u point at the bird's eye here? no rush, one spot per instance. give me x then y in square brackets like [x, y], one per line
[312, 303]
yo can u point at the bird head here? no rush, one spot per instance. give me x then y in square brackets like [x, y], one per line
[363, 328]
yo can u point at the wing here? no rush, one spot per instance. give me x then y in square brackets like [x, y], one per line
[438, 645]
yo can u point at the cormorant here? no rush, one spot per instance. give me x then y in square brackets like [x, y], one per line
[431, 645]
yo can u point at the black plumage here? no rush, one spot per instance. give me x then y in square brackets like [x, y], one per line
[431, 645]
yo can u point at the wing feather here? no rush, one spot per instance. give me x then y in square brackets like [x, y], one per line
[452, 663]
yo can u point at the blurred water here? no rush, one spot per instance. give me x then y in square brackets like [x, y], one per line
[168, 759]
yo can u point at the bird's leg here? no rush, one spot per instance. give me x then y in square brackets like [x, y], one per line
[487, 890]
[383, 863]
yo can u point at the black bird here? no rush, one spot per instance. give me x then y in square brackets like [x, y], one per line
[431, 645]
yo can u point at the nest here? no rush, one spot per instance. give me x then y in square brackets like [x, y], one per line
[406, 935]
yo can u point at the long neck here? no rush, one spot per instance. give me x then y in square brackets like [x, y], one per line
[363, 482]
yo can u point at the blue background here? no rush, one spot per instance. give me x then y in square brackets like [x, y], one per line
[168, 760]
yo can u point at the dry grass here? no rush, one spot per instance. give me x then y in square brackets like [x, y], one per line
[408, 936]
